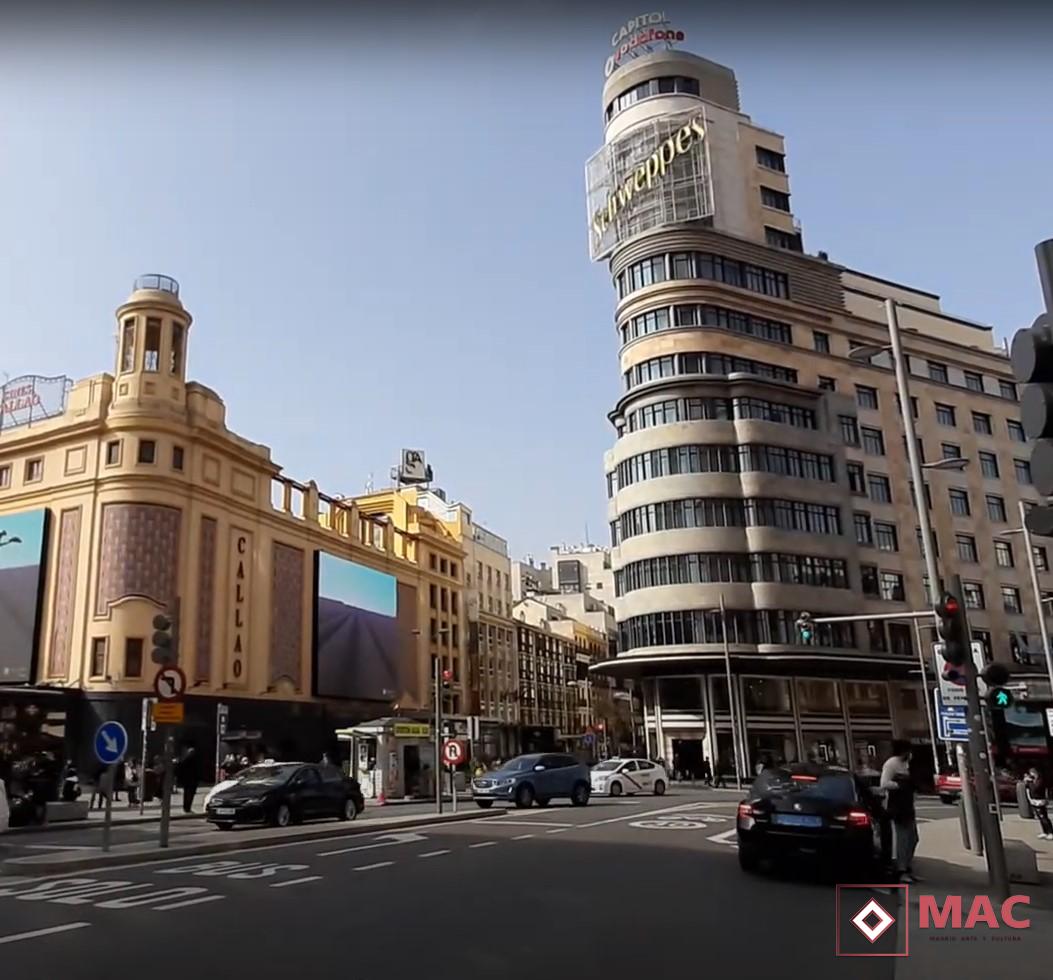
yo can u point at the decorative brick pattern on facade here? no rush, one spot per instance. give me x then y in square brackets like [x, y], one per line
[139, 553]
[287, 571]
[65, 592]
[206, 590]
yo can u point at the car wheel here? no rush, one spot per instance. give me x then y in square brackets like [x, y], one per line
[659, 788]
[542, 801]
[524, 797]
[484, 804]
[283, 816]
[349, 811]
[749, 858]
[224, 826]
[947, 799]
[616, 789]
[580, 794]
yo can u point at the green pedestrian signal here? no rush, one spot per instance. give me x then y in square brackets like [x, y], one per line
[1000, 698]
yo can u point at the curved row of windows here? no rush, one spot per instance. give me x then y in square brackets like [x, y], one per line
[672, 365]
[702, 265]
[749, 458]
[671, 515]
[718, 409]
[666, 85]
[699, 568]
[750, 627]
[705, 315]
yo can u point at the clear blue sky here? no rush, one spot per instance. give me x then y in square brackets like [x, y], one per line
[380, 228]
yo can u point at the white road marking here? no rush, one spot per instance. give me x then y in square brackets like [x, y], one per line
[635, 816]
[408, 838]
[433, 854]
[523, 837]
[484, 843]
[558, 830]
[379, 864]
[295, 881]
[725, 837]
[60, 847]
[19, 936]
[189, 901]
[532, 823]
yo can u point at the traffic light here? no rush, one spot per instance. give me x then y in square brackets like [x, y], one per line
[999, 697]
[166, 637]
[952, 629]
[996, 676]
[806, 627]
[447, 676]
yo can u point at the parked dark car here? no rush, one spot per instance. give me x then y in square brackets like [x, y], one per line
[284, 793]
[822, 813]
[530, 779]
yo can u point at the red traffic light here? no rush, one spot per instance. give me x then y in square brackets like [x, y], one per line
[949, 606]
[447, 675]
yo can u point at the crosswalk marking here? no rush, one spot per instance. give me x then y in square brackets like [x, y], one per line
[371, 867]
[295, 881]
[484, 843]
[433, 854]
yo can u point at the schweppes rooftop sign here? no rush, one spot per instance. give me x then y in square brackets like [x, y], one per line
[649, 174]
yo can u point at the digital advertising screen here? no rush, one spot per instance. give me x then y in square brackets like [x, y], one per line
[23, 538]
[364, 645]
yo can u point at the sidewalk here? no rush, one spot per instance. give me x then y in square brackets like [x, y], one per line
[122, 815]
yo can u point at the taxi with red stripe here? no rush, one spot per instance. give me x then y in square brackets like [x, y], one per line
[615, 777]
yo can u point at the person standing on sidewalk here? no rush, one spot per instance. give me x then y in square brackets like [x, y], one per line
[1038, 797]
[188, 773]
[898, 785]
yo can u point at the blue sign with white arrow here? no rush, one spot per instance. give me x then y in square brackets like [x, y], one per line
[951, 723]
[111, 742]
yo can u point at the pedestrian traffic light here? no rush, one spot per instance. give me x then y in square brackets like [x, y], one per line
[447, 676]
[806, 627]
[166, 637]
[952, 629]
[999, 697]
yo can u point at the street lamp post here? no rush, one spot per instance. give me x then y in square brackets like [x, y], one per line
[732, 714]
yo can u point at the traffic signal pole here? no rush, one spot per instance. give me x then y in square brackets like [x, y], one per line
[437, 683]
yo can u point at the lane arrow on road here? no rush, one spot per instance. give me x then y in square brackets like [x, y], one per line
[389, 840]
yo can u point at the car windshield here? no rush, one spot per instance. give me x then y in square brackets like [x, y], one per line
[836, 787]
[609, 766]
[522, 764]
[266, 775]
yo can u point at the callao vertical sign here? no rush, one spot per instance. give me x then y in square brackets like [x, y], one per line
[640, 35]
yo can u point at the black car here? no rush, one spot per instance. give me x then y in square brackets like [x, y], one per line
[283, 793]
[823, 813]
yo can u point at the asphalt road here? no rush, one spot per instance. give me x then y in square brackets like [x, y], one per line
[618, 888]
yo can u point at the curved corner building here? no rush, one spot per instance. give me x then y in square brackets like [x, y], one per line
[728, 482]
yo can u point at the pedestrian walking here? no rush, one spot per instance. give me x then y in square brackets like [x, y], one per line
[899, 787]
[188, 773]
[131, 780]
[101, 789]
[1038, 797]
[707, 772]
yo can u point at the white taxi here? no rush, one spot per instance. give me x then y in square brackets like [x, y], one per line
[616, 776]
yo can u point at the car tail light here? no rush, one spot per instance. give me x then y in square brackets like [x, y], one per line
[804, 779]
[858, 818]
[745, 810]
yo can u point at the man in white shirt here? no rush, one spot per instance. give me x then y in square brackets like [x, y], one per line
[898, 785]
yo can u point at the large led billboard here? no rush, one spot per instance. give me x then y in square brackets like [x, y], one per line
[23, 538]
[364, 621]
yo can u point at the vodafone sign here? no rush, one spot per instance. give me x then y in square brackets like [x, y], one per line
[638, 35]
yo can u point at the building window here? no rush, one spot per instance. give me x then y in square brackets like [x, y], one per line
[856, 479]
[974, 381]
[873, 441]
[34, 470]
[913, 406]
[950, 451]
[113, 452]
[771, 160]
[772, 198]
[966, 547]
[1016, 430]
[945, 414]
[128, 345]
[152, 346]
[866, 397]
[989, 465]
[995, 508]
[443, 566]
[821, 341]
[789, 240]
[973, 593]
[133, 657]
[892, 586]
[982, 424]
[919, 445]
[1011, 599]
[175, 360]
[937, 372]
[1004, 554]
[147, 450]
[849, 430]
[864, 529]
[1023, 471]
[959, 502]
[177, 457]
[885, 536]
[869, 578]
[98, 656]
[1007, 389]
[5, 476]
[1041, 558]
[880, 489]
[827, 384]
[921, 542]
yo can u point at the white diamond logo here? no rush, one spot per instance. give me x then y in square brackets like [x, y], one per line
[876, 929]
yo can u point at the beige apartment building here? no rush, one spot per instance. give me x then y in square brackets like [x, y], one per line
[760, 461]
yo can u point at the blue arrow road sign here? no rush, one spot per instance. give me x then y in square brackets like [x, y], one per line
[111, 742]
[951, 723]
